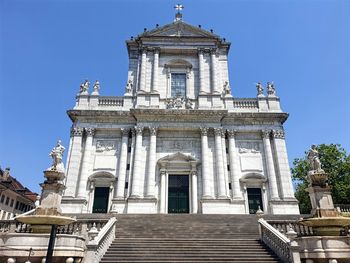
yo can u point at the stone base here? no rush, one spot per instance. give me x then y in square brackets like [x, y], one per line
[141, 206]
[222, 206]
[284, 207]
[118, 206]
[71, 205]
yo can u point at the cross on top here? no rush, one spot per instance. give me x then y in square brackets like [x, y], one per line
[179, 7]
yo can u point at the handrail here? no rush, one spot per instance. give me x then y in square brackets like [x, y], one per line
[278, 243]
[98, 245]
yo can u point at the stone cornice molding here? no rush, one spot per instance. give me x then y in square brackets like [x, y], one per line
[265, 134]
[204, 131]
[76, 131]
[253, 117]
[125, 132]
[101, 116]
[231, 133]
[278, 134]
[90, 131]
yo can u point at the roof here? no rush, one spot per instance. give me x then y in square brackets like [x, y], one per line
[13, 184]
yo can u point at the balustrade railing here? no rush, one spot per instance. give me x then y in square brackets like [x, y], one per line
[278, 243]
[344, 208]
[111, 101]
[245, 103]
[283, 226]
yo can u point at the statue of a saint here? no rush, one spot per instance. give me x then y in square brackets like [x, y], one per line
[84, 87]
[314, 160]
[260, 89]
[226, 89]
[128, 88]
[57, 156]
[271, 89]
[96, 88]
[189, 104]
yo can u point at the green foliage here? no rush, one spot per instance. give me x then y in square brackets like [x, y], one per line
[336, 163]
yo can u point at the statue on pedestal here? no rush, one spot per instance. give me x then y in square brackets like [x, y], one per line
[226, 88]
[57, 155]
[260, 89]
[128, 88]
[271, 89]
[96, 90]
[84, 87]
[314, 160]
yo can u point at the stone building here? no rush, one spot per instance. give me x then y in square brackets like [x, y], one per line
[15, 199]
[178, 141]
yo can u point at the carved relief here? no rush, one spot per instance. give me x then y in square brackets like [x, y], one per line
[248, 147]
[106, 145]
[279, 134]
[204, 131]
[179, 145]
[217, 131]
[90, 131]
[231, 133]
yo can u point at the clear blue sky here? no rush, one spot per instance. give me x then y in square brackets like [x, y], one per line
[47, 48]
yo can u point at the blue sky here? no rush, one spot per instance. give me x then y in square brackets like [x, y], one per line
[47, 48]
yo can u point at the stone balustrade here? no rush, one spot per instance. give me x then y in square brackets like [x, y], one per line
[110, 101]
[244, 103]
[283, 227]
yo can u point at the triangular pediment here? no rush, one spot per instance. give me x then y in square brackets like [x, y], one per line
[178, 29]
[177, 157]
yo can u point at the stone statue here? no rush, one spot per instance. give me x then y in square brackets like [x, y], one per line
[314, 160]
[226, 89]
[57, 155]
[260, 89]
[189, 104]
[96, 88]
[128, 88]
[84, 87]
[271, 89]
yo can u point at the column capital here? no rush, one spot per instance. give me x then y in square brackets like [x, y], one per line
[265, 134]
[204, 131]
[139, 130]
[200, 51]
[153, 130]
[213, 51]
[279, 134]
[143, 50]
[76, 131]
[218, 131]
[231, 133]
[156, 50]
[90, 131]
[125, 132]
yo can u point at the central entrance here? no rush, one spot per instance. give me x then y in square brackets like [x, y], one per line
[178, 194]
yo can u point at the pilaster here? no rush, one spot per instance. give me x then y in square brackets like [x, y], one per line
[234, 168]
[136, 191]
[119, 193]
[150, 185]
[207, 192]
[219, 164]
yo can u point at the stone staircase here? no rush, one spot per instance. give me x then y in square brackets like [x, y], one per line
[188, 238]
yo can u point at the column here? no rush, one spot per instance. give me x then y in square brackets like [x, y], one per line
[143, 70]
[73, 163]
[151, 173]
[214, 88]
[205, 164]
[162, 201]
[154, 87]
[82, 184]
[283, 164]
[224, 158]
[136, 190]
[119, 193]
[270, 165]
[91, 196]
[234, 168]
[219, 164]
[194, 193]
[201, 71]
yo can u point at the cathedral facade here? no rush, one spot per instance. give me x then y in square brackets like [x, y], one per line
[178, 141]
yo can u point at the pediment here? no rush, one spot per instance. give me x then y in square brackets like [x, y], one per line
[178, 158]
[178, 29]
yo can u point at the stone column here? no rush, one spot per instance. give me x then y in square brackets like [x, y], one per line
[282, 164]
[143, 70]
[214, 88]
[119, 193]
[270, 165]
[82, 184]
[234, 168]
[155, 70]
[162, 201]
[224, 158]
[136, 190]
[201, 71]
[220, 176]
[194, 186]
[151, 173]
[91, 196]
[73, 163]
[205, 164]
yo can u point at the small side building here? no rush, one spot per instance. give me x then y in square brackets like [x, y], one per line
[14, 197]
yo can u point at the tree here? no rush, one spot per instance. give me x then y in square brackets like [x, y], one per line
[336, 163]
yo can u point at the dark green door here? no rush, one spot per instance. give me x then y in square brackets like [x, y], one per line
[254, 200]
[101, 200]
[178, 194]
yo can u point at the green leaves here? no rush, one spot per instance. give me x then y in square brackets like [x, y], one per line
[336, 163]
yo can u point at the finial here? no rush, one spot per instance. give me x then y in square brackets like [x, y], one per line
[178, 15]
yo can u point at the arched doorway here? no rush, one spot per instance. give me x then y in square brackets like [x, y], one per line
[178, 184]
[254, 192]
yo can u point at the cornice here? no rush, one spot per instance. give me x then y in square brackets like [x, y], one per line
[100, 116]
[247, 117]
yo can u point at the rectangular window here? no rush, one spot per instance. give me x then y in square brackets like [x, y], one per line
[12, 202]
[229, 186]
[126, 185]
[17, 204]
[2, 198]
[7, 201]
[228, 167]
[178, 85]
[128, 166]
